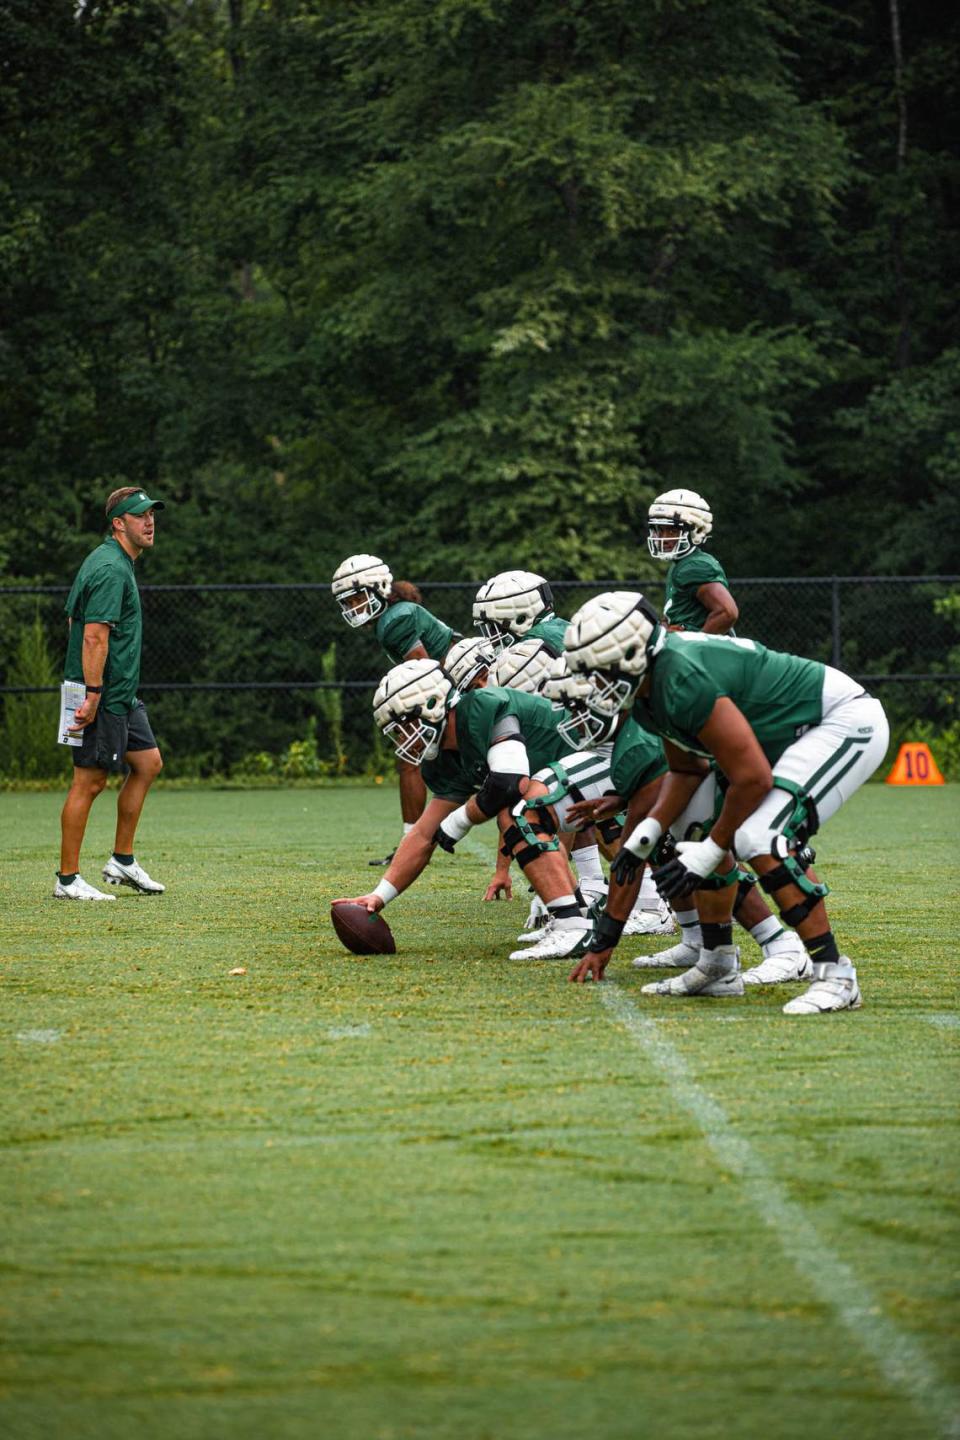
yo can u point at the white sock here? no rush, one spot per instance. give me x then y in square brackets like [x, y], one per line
[408, 825]
[689, 922]
[649, 897]
[587, 861]
[766, 930]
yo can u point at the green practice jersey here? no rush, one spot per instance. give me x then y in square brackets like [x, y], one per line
[684, 578]
[458, 774]
[780, 695]
[637, 760]
[404, 625]
[105, 592]
[551, 632]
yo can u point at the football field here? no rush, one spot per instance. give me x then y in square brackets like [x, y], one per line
[443, 1194]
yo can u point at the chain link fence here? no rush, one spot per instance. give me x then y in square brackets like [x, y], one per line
[230, 670]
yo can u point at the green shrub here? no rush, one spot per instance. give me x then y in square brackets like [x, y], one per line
[28, 735]
[329, 703]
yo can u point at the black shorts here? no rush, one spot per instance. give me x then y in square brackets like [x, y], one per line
[110, 737]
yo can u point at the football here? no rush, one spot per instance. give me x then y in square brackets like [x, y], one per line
[360, 931]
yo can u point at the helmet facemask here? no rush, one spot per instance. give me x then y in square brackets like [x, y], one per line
[612, 692]
[371, 605]
[677, 522]
[498, 640]
[414, 739]
[584, 726]
[668, 539]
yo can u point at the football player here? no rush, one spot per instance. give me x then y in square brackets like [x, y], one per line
[527, 665]
[637, 767]
[793, 740]
[518, 605]
[679, 523]
[366, 591]
[479, 753]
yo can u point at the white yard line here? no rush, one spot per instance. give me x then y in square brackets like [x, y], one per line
[899, 1357]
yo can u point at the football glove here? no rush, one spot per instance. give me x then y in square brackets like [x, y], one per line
[695, 859]
[634, 851]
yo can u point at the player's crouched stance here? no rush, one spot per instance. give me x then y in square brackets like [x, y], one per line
[479, 752]
[793, 738]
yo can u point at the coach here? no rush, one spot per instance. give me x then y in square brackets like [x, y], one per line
[103, 651]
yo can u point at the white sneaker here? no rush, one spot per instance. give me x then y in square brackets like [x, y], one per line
[835, 988]
[564, 940]
[712, 975]
[78, 889]
[650, 922]
[593, 892]
[784, 960]
[533, 937]
[681, 954]
[133, 875]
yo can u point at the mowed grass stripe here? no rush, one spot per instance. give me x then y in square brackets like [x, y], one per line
[901, 1360]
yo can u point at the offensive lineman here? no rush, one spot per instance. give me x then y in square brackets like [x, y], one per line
[794, 740]
[518, 605]
[479, 752]
[364, 588]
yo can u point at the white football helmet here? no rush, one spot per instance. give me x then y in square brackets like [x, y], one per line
[360, 587]
[583, 727]
[410, 707]
[607, 640]
[525, 666]
[682, 510]
[468, 661]
[509, 604]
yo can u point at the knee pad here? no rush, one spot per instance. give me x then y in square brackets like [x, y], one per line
[498, 792]
[522, 842]
[745, 884]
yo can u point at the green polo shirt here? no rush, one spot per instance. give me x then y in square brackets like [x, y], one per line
[458, 774]
[780, 695]
[684, 578]
[404, 625]
[105, 592]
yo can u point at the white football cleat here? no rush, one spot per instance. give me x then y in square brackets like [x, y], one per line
[650, 922]
[834, 988]
[566, 940]
[78, 889]
[677, 955]
[784, 961]
[533, 937]
[133, 875]
[716, 974]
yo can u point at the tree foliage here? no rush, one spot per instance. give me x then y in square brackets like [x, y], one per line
[467, 282]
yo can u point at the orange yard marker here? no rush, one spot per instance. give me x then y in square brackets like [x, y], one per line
[915, 765]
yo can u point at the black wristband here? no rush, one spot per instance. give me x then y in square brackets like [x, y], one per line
[94, 689]
[607, 932]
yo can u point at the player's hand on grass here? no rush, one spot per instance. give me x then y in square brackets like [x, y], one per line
[372, 902]
[500, 888]
[591, 967]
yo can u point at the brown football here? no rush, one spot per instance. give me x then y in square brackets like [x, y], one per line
[360, 931]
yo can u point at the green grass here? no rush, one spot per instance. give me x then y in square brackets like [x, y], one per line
[442, 1194]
